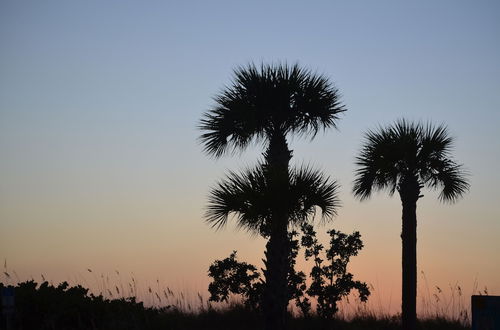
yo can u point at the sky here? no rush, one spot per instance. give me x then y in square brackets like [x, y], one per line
[100, 101]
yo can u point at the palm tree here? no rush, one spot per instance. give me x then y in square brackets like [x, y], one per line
[265, 105]
[250, 197]
[407, 157]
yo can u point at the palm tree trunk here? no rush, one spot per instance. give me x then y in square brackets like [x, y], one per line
[409, 193]
[275, 294]
[275, 299]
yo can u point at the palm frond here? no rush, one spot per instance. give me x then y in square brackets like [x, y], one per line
[314, 103]
[450, 178]
[436, 140]
[309, 189]
[243, 195]
[377, 164]
[230, 126]
[436, 145]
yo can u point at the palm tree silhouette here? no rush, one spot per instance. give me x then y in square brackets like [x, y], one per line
[250, 198]
[406, 157]
[265, 105]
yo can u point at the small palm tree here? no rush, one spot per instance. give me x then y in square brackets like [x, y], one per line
[250, 198]
[265, 105]
[407, 157]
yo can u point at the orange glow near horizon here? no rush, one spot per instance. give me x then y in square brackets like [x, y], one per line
[157, 255]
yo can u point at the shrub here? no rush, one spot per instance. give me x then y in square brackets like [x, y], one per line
[330, 281]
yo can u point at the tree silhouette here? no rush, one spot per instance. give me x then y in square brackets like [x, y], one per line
[232, 277]
[407, 157]
[330, 279]
[265, 105]
[250, 197]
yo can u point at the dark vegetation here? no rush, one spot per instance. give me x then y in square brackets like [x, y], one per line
[329, 279]
[63, 307]
[46, 306]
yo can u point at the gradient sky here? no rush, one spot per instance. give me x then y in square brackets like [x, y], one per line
[99, 101]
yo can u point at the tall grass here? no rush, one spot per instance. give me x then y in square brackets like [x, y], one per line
[436, 304]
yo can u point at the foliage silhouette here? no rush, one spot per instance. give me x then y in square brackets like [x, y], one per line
[64, 307]
[297, 280]
[407, 157]
[250, 196]
[262, 103]
[231, 277]
[330, 281]
[265, 105]
[47, 306]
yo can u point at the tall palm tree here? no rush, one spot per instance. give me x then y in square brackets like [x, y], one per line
[265, 105]
[407, 157]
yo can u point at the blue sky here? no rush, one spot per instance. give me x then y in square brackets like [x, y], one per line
[99, 102]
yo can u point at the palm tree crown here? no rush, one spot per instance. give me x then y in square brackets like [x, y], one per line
[409, 151]
[262, 101]
[248, 196]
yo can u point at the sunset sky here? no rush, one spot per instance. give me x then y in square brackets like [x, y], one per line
[99, 105]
